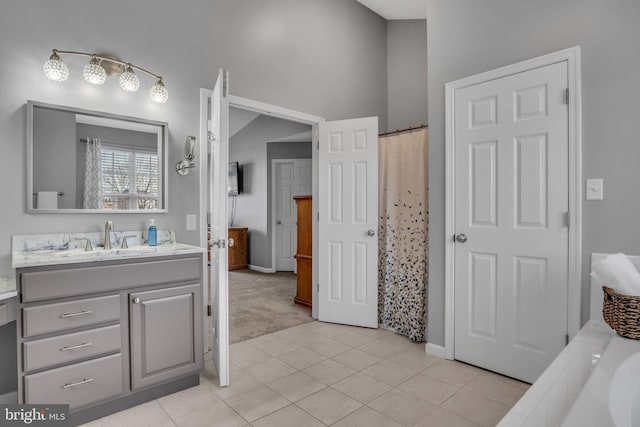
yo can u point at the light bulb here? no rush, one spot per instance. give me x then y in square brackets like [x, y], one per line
[55, 69]
[158, 92]
[94, 73]
[129, 81]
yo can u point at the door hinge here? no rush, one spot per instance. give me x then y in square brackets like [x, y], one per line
[566, 96]
[209, 310]
[318, 216]
[567, 219]
[566, 339]
[318, 287]
[224, 84]
[318, 145]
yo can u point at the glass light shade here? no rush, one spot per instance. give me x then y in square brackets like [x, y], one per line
[158, 92]
[94, 73]
[55, 69]
[129, 81]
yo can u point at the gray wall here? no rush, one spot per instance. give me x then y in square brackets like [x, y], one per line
[54, 154]
[406, 73]
[465, 38]
[249, 148]
[323, 57]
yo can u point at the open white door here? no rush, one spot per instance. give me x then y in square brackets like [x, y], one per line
[219, 268]
[348, 222]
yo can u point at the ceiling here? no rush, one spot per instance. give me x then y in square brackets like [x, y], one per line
[398, 9]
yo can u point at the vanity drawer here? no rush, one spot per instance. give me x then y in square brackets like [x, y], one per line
[68, 315]
[71, 347]
[76, 385]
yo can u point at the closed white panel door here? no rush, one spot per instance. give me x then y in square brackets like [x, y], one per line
[285, 216]
[511, 196]
[348, 223]
[293, 178]
[219, 267]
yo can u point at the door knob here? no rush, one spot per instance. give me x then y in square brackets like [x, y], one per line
[371, 233]
[461, 238]
[278, 222]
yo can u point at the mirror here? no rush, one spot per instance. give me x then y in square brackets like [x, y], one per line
[81, 161]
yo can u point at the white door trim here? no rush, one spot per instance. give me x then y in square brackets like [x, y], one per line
[572, 57]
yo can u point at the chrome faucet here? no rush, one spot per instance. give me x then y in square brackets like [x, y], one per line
[107, 235]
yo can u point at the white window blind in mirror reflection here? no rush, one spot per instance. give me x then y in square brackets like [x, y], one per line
[130, 178]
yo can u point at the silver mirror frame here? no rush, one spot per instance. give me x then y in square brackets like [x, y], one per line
[163, 160]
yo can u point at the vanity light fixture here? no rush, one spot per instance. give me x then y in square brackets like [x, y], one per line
[99, 67]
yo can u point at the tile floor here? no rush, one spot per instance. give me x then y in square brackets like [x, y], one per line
[319, 374]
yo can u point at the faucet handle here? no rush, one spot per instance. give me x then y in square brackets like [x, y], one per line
[124, 244]
[87, 243]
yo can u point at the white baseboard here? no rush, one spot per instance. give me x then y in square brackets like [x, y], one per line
[434, 349]
[9, 398]
[261, 269]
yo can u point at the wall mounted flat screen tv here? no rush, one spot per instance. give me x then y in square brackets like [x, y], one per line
[234, 180]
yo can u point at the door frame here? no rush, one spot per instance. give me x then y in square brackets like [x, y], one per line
[574, 288]
[281, 113]
[274, 163]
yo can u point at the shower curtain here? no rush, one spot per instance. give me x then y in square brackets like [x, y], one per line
[92, 195]
[403, 233]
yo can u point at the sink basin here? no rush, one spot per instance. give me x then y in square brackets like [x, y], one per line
[624, 396]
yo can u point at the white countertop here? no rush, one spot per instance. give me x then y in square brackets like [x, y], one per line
[72, 256]
[7, 287]
[575, 390]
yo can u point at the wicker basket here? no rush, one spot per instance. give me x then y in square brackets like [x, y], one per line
[622, 313]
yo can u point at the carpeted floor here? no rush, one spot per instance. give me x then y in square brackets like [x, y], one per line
[262, 303]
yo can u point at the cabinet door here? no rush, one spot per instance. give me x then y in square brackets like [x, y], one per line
[166, 334]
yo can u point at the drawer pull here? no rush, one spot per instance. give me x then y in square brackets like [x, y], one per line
[80, 313]
[84, 381]
[74, 347]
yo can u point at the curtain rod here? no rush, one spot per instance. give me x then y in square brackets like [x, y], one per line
[409, 129]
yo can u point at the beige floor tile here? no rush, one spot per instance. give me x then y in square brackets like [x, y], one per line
[269, 370]
[289, 416]
[189, 400]
[361, 387]
[498, 387]
[239, 383]
[386, 346]
[452, 372]
[353, 339]
[329, 347]
[376, 333]
[476, 407]
[428, 388]
[257, 403]
[243, 355]
[390, 373]
[301, 358]
[442, 418]
[329, 371]
[402, 407]
[296, 386]
[219, 415]
[356, 359]
[328, 405]
[366, 417]
[148, 414]
[278, 346]
[414, 358]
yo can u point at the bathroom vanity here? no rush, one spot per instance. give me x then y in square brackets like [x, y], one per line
[107, 331]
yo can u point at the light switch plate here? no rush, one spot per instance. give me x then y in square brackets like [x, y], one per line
[595, 190]
[191, 223]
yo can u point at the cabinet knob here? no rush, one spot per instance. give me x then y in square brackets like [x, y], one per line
[278, 222]
[136, 300]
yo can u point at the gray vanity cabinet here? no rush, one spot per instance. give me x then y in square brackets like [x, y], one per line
[163, 338]
[104, 336]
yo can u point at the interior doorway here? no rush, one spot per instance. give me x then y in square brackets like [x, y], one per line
[273, 161]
